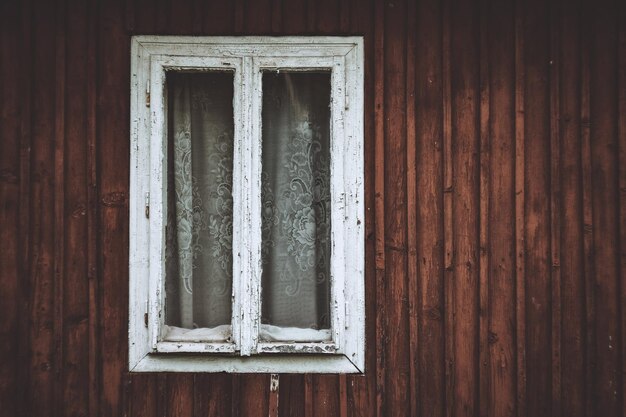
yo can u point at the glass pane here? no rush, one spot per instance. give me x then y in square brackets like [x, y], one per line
[296, 199]
[198, 259]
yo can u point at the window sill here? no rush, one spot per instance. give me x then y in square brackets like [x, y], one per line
[271, 363]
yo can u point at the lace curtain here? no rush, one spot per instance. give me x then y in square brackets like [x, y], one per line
[295, 202]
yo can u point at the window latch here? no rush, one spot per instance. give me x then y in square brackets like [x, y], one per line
[147, 206]
[274, 383]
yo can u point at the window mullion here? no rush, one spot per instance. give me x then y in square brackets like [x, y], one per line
[250, 218]
[238, 198]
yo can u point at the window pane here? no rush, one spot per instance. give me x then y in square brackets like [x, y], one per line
[200, 204]
[296, 199]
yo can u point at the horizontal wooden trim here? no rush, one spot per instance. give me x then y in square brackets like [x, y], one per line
[286, 363]
[195, 347]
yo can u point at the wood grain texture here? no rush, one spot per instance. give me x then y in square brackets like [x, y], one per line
[484, 382]
[537, 207]
[92, 208]
[379, 203]
[555, 208]
[587, 215]
[464, 191]
[25, 57]
[41, 393]
[604, 181]
[495, 209]
[76, 285]
[10, 166]
[112, 131]
[411, 206]
[621, 126]
[430, 240]
[504, 166]
[572, 261]
[520, 226]
[395, 292]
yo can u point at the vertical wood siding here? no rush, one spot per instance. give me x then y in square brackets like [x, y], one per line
[495, 141]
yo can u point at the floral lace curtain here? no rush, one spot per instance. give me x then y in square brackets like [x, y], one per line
[295, 201]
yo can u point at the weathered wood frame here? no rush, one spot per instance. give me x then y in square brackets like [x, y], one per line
[151, 57]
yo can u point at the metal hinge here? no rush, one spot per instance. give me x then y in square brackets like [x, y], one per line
[347, 106]
[145, 315]
[148, 94]
[147, 207]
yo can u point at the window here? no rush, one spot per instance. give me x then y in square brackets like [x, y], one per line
[246, 213]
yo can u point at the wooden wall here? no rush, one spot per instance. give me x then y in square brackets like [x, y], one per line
[496, 209]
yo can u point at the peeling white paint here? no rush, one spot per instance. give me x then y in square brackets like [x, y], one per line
[342, 350]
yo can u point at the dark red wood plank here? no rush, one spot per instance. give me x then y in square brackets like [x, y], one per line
[93, 386]
[311, 16]
[258, 17]
[379, 200]
[604, 182]
[76, 287]
[411, 206]
[219, 17]
[501, 219]
[555, 210]
[291, 396]
[464, 191]
[144, 395]
[92, 209]
[26, 58]
[308, 395]
[537, 210]
[325, 395]
[429, 135]
[179, 395]
[181, 17]
[253, 396]
[520, 217]
[448, 215]
[587, 217]
[162, 15]
[293, 17]
[277, 16]
[572, 267]
[113, 164]
[213, 396]
[484, 375]
[396, 310]
[145, 17]
[10, 205]
[327, 16]
[59, 203]
[345, 13]
[42, 239]
[621, 127]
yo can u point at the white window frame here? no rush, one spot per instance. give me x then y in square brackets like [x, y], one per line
[151, 58]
